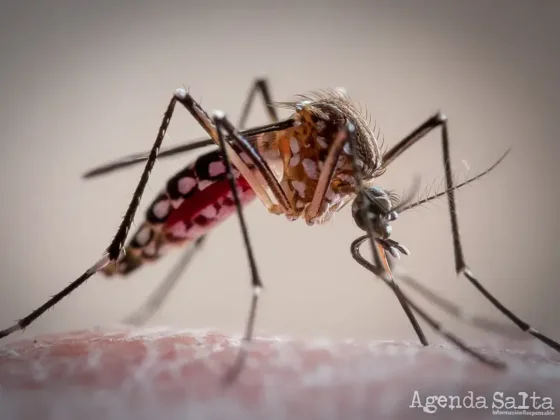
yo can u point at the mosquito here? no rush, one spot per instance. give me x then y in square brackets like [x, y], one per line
[307, 166]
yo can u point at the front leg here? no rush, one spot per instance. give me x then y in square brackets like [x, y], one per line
[440, 121]
[115, 248]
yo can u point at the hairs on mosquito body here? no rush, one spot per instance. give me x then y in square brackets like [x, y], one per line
[326, 95]
[327, 104]
[361, 113]
[361, 117]
[376, 130]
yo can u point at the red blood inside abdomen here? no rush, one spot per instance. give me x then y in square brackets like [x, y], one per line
[214, 195]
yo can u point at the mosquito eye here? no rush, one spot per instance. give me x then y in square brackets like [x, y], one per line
[380, 202]
[378, 221]
[377, 191]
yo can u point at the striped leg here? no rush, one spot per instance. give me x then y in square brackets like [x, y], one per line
[113, 251]
[158, 297]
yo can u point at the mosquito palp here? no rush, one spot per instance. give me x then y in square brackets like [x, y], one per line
[307, 166]
[419, 311]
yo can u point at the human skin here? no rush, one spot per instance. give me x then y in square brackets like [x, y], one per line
[161, 373]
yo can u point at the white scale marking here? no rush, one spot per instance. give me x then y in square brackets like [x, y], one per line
[144, 235]
[216, 168]
[180, 93]
[346, 148]
[322, 142]
[300, 106]
[196, 231]
[294, 145]
[161, 209]
[310, 168]
[209, 212]
[294, 161]
[299, 187]
[202, 184]
[150, 250]
[179, 230]
[220, 115]
[186, 185]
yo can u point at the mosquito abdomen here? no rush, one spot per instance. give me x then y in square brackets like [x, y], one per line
[195, 200]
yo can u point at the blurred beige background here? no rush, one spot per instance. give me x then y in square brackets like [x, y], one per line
[85, 82]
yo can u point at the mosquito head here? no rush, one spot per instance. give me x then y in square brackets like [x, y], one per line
[379, 208]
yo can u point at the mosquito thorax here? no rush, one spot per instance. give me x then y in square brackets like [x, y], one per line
[375, 202]
[303, 150]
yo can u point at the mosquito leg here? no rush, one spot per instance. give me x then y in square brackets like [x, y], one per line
[158, 297]
[115, 248]
[454, 310]
[130, 160]
[378, 252]
[435, 325]
[461, 267]
[346, 134]
[259, 85]
[380, 258]
[261, 175]
[223, 124]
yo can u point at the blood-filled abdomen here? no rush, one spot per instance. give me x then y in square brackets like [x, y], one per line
[194, 201]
